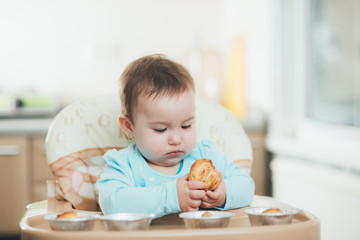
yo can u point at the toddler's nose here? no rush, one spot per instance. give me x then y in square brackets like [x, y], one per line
[174, 139]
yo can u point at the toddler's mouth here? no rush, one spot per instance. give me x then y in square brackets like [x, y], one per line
[175, 153]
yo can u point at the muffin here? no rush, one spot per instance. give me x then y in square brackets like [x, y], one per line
[207, 214]
[67, 215]
[272, 210]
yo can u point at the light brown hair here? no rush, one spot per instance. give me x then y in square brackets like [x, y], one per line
[152, 76]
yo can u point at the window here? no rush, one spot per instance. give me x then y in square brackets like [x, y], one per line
[316, 112]
[333, 70]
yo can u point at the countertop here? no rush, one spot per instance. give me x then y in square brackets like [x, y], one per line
[319, 152]
[25, 126]
[41, 125]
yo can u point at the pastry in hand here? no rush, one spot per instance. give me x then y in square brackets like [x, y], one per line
[272, 210]
[203, 170]
[67, 215]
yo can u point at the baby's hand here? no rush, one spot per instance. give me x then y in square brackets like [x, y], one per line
[190, 193]
[215, 198]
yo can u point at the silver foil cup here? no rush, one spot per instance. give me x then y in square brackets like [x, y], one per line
[127, 221]
[197, 220]
[257, 217]
[84, 222]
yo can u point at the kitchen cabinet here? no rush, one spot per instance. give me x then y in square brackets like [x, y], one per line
[14, 181]
[255, 126]
[23, 175]
[259, 168]
[40, 170]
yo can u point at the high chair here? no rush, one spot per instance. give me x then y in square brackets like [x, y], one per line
[82, 133]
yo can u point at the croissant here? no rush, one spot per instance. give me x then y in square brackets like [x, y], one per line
[203, 170]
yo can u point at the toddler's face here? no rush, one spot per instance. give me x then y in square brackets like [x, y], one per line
[164, 128]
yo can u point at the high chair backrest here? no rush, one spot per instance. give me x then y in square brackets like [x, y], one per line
[83, 131]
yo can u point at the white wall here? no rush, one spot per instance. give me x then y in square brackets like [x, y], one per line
[330, 194]
[77, 49]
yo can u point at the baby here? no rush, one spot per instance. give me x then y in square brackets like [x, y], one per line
[151, 175]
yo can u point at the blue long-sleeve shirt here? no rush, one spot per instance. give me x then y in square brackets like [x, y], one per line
[128, 184]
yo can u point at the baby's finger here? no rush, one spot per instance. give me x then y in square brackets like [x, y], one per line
[194, 209]
[213, 194]
[190, 209]
[209, 201]
[207, 205]
[196, 185]
[194, 204]
[205, 199]
[197, 194]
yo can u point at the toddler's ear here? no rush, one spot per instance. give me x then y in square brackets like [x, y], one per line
[126, 125]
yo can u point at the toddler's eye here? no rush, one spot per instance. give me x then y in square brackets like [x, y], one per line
[160, 130]
[185, 127]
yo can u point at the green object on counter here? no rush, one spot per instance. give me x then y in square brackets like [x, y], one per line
[36, 101]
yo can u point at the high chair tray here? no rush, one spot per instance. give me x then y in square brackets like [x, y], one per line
[304, 225]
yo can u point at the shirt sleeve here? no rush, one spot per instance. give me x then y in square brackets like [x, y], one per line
[240, 187]
[118, 193]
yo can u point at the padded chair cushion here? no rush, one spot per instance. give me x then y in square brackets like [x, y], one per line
[84, 131]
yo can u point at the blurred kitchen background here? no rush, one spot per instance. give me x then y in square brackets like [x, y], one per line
[288, 69]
